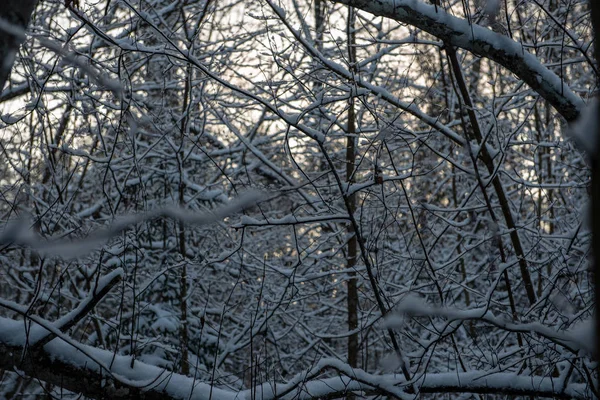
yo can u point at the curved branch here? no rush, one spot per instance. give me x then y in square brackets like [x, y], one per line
[308, 385]
[481, 41]
[69, 365]
[57, 363]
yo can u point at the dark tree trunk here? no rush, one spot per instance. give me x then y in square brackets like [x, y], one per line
[352, 241]
[14, 18]
[595, 162]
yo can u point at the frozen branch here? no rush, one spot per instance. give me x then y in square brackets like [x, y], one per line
[575, 340]
[481, 41]
[102, 287]
[94, 372]
[291, 220]
[59, 364]
[16, 235]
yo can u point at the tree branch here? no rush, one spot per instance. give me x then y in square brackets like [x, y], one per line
[59, 364]
[481, 41]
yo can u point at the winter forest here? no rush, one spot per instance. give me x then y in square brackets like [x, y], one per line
[298, 199]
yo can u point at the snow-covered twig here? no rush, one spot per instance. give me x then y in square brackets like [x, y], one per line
[16, 234]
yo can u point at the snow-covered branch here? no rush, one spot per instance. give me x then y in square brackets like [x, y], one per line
[98, 373]
[579, 338]
[19, 235]
[481, 41]
[390, 167]
[290, 220]
[120, 377]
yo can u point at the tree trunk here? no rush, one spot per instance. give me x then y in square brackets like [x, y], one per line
[595, 162]
[352, 241]
[14, 17]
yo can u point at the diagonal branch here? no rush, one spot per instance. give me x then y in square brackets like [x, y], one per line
[94, 372]
[40, 331]
[102, 288]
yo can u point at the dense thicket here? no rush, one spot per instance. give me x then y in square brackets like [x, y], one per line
[297, 199]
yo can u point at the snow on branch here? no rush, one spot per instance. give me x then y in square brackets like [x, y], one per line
[98, 373]
[39, 331]
[106, 375]
[308, 385]
[290, 220]
[578, 339]
[41, 349]
[481, 41]
[16, 233]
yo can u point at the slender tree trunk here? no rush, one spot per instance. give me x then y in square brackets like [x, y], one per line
[319, 23]
[352, 241]
[498, 188]
[183, 293]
